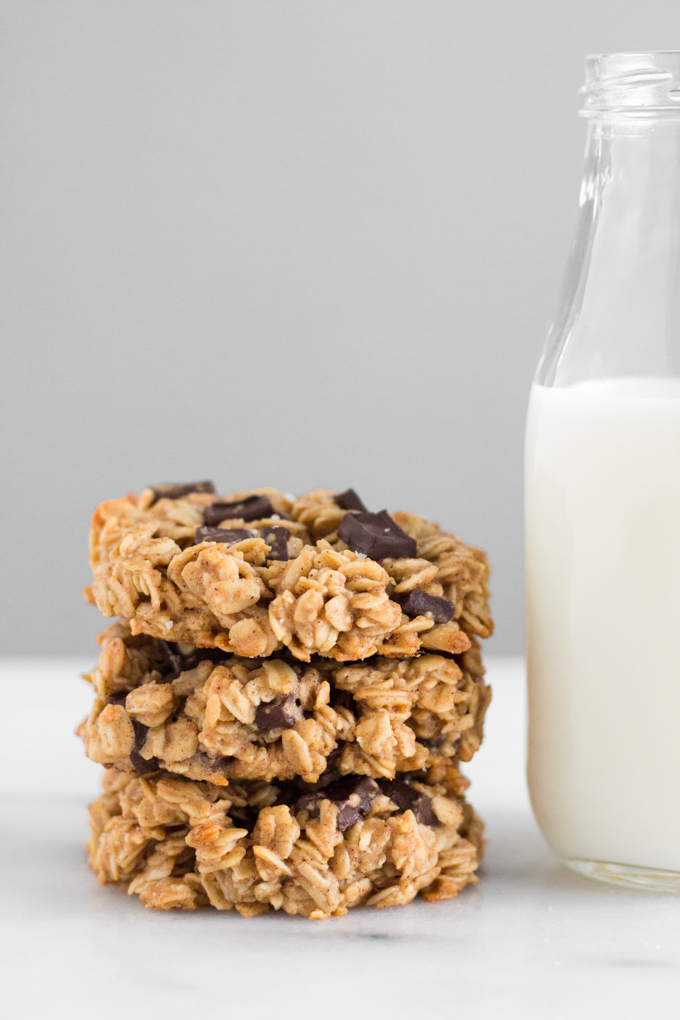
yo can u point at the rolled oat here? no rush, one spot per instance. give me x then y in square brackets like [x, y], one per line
[308, 592]
[214, 719]
[179, 845]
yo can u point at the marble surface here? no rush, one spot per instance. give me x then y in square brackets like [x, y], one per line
[532, 940]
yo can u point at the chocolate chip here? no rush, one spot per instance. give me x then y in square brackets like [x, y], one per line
[348, 814]
[253, 508]
[376, 535]
[141, 732]
[353, 798]
[277, 538]
[308, 802]
[422, 809]
[171, 659]
[226, 535]
[173, 662]
[419, 603]
[117, 699]
[332, 759]
[350, 501]
[141, 765]
[280, 714]
[405, 797]
[346, 791]
[366, 789]
[174, 490]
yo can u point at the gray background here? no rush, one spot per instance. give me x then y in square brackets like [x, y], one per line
[283, 243]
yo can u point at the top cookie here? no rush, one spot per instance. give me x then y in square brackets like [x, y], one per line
[257, 570]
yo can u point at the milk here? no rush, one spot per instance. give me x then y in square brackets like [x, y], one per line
[603, 590]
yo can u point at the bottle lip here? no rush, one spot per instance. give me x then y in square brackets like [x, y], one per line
[639, 84]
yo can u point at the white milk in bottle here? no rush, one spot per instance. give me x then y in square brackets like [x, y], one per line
[603, 591]
[603, 498]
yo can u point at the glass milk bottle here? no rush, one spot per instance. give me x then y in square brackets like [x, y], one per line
[603, 498]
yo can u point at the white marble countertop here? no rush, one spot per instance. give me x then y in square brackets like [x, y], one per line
[532, 940]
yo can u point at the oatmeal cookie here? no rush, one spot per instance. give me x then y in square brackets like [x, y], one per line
[204, 714]
[180, 844]
[256, 571]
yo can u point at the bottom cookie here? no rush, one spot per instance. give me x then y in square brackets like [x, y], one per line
[310, 850]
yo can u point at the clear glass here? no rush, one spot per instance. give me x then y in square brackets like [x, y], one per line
[603, 498]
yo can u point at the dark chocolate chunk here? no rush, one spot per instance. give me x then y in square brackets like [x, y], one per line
[226, 535]
[366, 789]
[422, 809]
[280, 714]
[174, 662]
[141, 732]
[352, 796]
[376, 535]
[348, 814]
[277, 538]
[171, 661]
[405, 797]
[350, 501]
[174, 490]
[253, 508]
[308, 802]
[332, 760]
[346, 792]
[139, 764]
[418, 603]
[142, 766]
[117, 699]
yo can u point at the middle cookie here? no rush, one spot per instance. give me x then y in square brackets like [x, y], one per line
[209, 716]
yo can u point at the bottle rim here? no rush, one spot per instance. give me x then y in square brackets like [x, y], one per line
[639, 84]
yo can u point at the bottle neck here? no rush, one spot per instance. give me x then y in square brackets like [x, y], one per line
[620, 313]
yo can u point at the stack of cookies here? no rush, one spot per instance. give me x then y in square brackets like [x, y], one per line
[283, 705]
